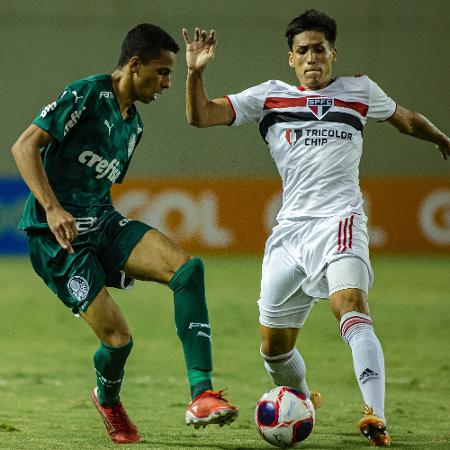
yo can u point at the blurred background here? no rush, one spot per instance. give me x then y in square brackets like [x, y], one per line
[224, 177]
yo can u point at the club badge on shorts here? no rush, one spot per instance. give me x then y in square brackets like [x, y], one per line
[78, 287]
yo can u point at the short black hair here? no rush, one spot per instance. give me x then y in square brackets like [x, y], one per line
[146, 41]
[312, 20]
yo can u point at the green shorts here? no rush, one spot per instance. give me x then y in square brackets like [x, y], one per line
[98, 259]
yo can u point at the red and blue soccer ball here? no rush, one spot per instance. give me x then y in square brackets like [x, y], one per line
[284, 417]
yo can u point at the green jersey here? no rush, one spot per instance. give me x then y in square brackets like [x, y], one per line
[91, 149]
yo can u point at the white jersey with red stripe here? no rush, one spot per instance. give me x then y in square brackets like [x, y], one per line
[315, 139]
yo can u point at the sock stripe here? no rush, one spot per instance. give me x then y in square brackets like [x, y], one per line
[352, 321]
[279, 358]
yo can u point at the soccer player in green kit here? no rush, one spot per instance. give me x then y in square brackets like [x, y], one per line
[79, 245]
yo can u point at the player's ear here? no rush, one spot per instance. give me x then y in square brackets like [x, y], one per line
[134, 64]
[291, 59]
[334, 54]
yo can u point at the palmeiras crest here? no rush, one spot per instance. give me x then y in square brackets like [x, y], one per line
[319, 106]
[78, 287]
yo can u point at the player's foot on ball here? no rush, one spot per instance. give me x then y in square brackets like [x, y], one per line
[119, 426]
[210, 407]
[316, 399]
[374, 429]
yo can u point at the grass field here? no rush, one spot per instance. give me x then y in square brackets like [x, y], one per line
[46, 372]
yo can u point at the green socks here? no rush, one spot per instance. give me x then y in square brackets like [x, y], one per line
[109, 363]
[193, 329]
[192, 323]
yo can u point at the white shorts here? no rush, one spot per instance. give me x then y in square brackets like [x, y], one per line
[296, 259]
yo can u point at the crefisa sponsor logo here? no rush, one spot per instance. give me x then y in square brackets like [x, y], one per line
[103, 167]
[74, 118]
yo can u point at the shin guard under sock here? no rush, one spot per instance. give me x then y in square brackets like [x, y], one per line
[109, 363]
[288, 370]
[192, 323]
[368, 361]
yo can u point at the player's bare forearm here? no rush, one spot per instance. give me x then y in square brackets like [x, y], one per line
[28, 160]
[196, 99]
[200, 110]
[416, 125]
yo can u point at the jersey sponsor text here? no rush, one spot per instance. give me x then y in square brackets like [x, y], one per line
[74, 117]
[102, 165]
[48, 108]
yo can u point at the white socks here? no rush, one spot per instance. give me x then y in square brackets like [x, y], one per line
[287, 370]
[357, 331]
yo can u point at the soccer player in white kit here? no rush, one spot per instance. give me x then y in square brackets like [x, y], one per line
[319, 249]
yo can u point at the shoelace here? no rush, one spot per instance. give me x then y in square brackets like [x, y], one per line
[218, 394]
[118, 417]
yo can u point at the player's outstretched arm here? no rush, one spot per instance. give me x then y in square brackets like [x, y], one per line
[28, 160]
[200, 110]
[415, 124]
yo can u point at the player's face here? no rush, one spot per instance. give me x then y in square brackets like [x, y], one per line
[151, 79]
[312, 57]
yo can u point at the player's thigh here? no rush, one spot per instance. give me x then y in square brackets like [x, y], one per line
[282, 302]
[155, 258]
[75, 278]
[348, 280]
[107, 320]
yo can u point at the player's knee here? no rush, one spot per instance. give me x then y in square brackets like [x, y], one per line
[115, 336]
[189, 276]
[277, 341]
[348, 300]
[274, 348]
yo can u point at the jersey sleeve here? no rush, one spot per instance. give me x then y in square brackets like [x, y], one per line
[381, 106]
[61, 116]
[248, 105]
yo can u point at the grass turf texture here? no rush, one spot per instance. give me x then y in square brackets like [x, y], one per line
[46, 371]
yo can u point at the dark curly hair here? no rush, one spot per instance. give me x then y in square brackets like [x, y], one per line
[146, 41]
[312, 20]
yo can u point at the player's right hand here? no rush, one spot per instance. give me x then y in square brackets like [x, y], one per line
[62, 224]
[199, 50]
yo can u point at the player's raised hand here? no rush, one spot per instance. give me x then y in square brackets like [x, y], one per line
[63, 226]
[199, 50]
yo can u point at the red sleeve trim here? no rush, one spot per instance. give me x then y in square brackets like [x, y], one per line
[232, 108]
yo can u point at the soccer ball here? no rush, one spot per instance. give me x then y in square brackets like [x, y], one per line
[284, 417]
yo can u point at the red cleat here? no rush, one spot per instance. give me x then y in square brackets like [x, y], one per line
[119, 426]
[210, 408]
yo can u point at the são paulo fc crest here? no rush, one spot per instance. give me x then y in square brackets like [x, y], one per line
[319, 106]
[131, 144]
[78, 287]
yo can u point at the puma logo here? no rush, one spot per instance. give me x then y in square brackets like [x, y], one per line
[109, 127]
[77, 97]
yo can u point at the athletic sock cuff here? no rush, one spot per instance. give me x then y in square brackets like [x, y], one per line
[184, 273]
[278, 358]
[351, 319]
